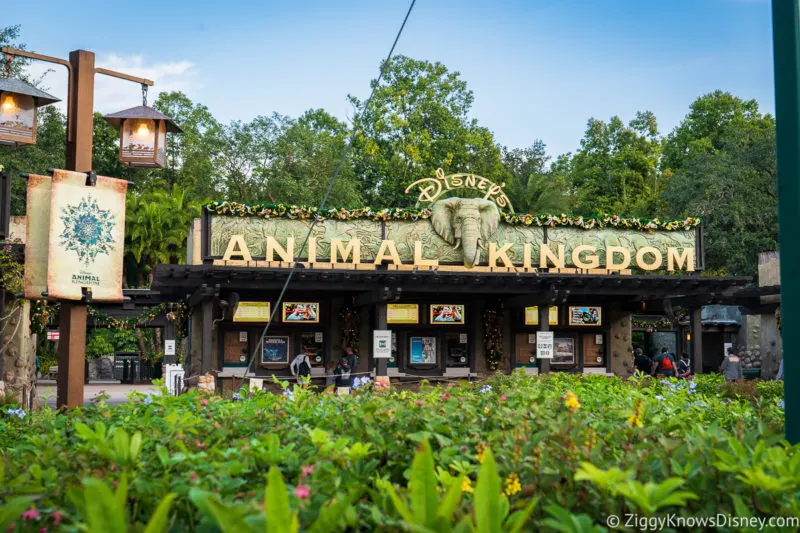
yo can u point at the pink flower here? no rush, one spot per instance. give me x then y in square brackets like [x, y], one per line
[30, 514]
[204, 402]
[445, 396]
[503, 398]
[11, 527]
[57, 517]
[302, 492]
[420, 403]
[245, 447]
[193, 477]
[43, 530]
[307, 470]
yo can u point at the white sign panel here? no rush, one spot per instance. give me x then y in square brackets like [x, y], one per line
[382, 344]
[531, 338]
[242, 336]
[462, 338]
[169, 347]
[544, 345]
[318, 337]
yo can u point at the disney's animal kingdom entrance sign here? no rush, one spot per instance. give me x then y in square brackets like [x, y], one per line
[455, 234]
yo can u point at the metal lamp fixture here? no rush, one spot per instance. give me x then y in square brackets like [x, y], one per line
[18, 111]
[143, 135]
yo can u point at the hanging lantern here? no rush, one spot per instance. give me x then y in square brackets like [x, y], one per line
[143, 136]
[18, 115]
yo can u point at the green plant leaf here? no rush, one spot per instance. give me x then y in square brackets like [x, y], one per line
[488, 518]
[422, 486]
[103, 511]
[158, 522]
[280, 518]
[228, 520]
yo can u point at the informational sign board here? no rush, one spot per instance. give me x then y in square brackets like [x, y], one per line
[447, 314]
[169, 347]
[301, 312]
[53, 335]
[544, 345]
[462, 338]
[242, 336]
[252, 312]
[585, 316]
[381, 344]
[531, 338]
[402, 313]
[532, 316]
[318, 337]
[275, 349]
[87, 237]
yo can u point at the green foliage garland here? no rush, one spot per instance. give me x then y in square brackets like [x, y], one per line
[41, 312]
[492, 335]
[652, 324]
[264, 210]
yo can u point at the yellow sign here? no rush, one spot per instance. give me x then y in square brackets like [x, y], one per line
[430, 189]
[252, 312]
[402, 313]
[532, 316]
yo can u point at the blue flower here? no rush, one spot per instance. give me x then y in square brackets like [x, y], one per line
[485, 389]
[236, 396]
[691, 391]
[698, 403]
[781, 404]
[18, 412]
[692, 385]
[359, 382]
[659, 397]
[148, 399]
[289, 393]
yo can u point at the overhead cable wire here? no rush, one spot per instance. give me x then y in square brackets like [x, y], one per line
[321, 207]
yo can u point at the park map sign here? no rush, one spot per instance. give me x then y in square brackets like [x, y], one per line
[454, 234]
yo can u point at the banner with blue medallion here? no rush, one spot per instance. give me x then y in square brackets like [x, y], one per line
[87, 237]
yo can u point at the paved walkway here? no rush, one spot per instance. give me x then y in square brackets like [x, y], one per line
[117, 391]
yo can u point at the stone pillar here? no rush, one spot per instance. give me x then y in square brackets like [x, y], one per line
[19, 355]
[621, 351]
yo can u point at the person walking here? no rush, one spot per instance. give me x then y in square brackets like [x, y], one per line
[779, 375]
[684, 367]
[330, 374]
[301, 367]
[664, 364]
[642, 363]
[731, 367]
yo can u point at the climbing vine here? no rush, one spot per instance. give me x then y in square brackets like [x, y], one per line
[492, 335]
[351, 330]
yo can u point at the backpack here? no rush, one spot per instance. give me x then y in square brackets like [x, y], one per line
[303, 369]
[666, 362]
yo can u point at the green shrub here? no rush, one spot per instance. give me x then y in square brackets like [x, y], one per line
[551, 453]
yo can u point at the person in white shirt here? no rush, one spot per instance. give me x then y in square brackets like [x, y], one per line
[301, 367]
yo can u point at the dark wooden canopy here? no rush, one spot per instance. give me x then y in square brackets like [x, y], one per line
[521, 289]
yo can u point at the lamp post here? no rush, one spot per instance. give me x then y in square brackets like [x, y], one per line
[80, 129]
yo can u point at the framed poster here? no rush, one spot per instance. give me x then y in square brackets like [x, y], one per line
[275, 349]
[402, 313]
[447, 314]
[532, 316]
[585, 316]
[252, 312]
[423, 350]
[301, 312]
[563, 351]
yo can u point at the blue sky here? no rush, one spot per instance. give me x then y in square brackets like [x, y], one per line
[538, 68]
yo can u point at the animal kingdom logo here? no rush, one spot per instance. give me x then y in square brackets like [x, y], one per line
[88, 230]
[431, 189]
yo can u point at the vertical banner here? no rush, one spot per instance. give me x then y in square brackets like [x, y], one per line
[37, 235]
[87, 237]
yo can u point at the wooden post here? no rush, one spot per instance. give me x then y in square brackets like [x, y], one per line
[208, 325]
[71, 354]
[544, 325]
[170, 335]
[786, 54]
[381, 368]
[696, 342]
[72, 348]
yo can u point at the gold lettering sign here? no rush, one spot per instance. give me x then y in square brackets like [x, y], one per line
[584, 257]
[252, 312]
[431, 189]
[402, 313]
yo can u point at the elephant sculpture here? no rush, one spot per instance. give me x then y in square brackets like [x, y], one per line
[467, 223]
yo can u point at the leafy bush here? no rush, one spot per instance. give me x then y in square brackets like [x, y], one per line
[551, 453]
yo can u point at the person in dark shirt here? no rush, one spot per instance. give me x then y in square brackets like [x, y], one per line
[642, 363]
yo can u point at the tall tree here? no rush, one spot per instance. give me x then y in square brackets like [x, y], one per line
[726, 176]
[532, 186]
[418, 121]
[711, 119]
[615, 170]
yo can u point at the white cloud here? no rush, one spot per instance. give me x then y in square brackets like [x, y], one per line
[113, 94]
